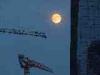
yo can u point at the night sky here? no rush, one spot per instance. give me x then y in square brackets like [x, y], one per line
[35, 15]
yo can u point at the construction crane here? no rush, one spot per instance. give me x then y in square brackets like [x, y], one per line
[22, 32]
[27, 64]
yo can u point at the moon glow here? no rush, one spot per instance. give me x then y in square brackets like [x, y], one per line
[56, 18]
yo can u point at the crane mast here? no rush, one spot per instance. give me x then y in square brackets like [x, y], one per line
[26, 71]
[26, 64]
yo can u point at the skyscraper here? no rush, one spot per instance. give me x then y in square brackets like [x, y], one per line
[85, 30]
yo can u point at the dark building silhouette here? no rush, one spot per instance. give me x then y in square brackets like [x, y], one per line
[73, 46]
[93, 58]
[85, 28]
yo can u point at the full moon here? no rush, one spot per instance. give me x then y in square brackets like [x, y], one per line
[56, 18]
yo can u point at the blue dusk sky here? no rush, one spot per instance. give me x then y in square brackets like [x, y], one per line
[35, 15]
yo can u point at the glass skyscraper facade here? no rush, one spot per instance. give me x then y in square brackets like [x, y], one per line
[85, 30]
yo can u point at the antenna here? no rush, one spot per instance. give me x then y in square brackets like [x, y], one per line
[27, 64]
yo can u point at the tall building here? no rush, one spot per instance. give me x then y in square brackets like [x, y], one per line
[85, 30]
